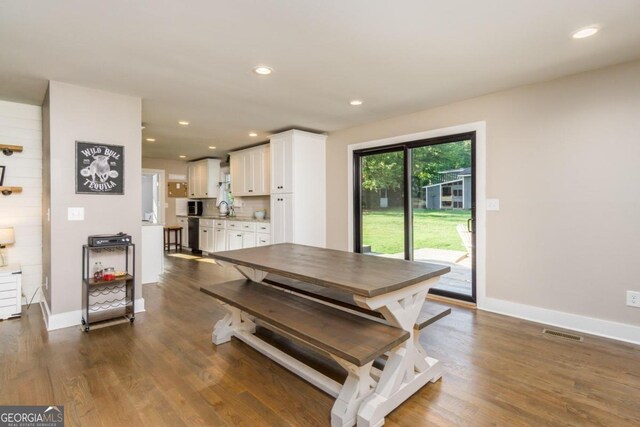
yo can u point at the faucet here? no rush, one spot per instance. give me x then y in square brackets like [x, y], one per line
[226, 209]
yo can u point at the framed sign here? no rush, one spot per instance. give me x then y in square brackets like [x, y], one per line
[99, 168]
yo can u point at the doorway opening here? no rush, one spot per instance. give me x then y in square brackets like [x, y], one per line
[152, 196]
[416, 201]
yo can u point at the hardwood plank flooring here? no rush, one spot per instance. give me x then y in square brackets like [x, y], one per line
[164, 371]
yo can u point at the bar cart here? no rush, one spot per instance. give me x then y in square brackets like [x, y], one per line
[110, 298]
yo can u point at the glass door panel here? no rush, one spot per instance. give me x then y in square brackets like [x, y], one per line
[442, 205]
[382, 216]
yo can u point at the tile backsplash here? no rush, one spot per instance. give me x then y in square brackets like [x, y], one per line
[249, 206]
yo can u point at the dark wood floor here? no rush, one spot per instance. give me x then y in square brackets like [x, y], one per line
[164, 371]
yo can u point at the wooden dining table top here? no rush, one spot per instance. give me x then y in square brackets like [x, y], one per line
[359, 274]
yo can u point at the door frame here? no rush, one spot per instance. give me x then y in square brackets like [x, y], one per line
[480, 188]
[161, 191]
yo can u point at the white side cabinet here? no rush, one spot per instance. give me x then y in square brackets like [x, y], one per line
[298, 188]
[250, 171]
[183, 222]
[203, 177]
[10, 291]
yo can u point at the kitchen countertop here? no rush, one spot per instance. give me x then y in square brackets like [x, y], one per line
[235, 218]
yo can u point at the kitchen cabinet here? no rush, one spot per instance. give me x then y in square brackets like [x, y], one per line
[298, 188]
[263, 239]
[250, 171]
[206, 236]
[183, 222]
[240, 239]
[219, 240]
[203, 177]
[281, 165]
[282, 218]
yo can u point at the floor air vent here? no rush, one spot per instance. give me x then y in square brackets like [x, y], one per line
[561, 334]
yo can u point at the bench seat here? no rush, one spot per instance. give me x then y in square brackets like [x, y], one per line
[431, 311]
[353, 338]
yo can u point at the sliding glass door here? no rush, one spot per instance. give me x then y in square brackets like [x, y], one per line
[416, 201]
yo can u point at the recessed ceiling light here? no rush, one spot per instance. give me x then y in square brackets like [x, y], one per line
[585, 32]
[252, 134]
[211, 147]
[263, 70]
[151, 139]
[183, 157]
[183, 123]
[355, 102]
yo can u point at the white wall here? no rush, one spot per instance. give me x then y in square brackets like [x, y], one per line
[563, 158]
[21, 124]
[83, 114]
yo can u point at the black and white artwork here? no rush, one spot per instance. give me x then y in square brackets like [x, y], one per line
[99, 168]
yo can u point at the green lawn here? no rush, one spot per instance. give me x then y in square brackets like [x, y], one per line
[384, 229]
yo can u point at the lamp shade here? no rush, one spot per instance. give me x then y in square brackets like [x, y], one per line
[6, 236]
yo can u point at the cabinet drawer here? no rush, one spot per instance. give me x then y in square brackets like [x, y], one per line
[8, 286]
[263, 239]
[220, 223]
[263, 227]
[8, 279]
[248, 226]
[235, 225]
[9, 294]
[8, 302]
[206, 222]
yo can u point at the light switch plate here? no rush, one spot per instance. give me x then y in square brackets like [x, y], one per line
[75, 214]
[493, 204]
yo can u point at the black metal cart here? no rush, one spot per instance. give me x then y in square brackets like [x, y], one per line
[108, 299]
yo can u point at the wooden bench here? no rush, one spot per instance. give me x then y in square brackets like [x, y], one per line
[350, 337]
[431, 311]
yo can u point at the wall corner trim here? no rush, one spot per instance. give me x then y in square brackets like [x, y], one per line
[575, 322]
[72, 318]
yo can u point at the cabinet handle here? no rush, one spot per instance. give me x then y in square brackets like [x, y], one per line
[238, 235]
[204, 231]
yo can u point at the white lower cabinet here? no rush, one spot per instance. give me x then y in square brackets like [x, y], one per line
[207, 239]
[219, 240]
[240, 239]
[263, 239]
[282, 218]
[183, 222]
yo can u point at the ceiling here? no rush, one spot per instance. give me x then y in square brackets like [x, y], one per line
[192, 60]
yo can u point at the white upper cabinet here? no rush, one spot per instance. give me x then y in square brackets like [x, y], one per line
[250, 171]
[203, 178]
[281, 165]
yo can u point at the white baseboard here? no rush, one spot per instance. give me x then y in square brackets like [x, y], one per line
[588, 325]
[72, 318]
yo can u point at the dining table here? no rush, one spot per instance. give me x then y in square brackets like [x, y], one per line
[395, 289]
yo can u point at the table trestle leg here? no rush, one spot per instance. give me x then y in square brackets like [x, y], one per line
[251, 273]
[408, 368]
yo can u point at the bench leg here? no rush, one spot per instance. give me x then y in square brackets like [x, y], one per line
[251, 273]
[356, 388]
[234, 320]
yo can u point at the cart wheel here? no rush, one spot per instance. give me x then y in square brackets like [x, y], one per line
[83, 322]
[86, 328]
[132, 319]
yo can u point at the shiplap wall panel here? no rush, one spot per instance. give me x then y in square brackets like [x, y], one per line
[21, 124]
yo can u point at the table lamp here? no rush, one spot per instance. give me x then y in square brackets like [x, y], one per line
[7, 237]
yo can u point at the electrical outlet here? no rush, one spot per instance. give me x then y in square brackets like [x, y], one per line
[633, 299]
